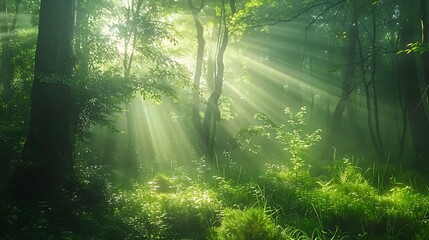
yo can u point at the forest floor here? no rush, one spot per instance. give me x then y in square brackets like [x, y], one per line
[339, 200]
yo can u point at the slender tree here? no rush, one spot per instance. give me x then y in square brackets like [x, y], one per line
[349, 71]
[211, 59]
[198, 67]
[370, 90]
[212, 112]
[417, 118]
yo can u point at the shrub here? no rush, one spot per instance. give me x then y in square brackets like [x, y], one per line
[164, 210]
[291, 137]
[234, 195]
[189, 213]
[250, 224]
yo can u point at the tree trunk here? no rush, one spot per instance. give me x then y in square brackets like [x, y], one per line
[349, 70]
[374, 128]
[418, 121]
[397, 70]
[47, 156]
[212, 113]
[196, 119]
[211, 61]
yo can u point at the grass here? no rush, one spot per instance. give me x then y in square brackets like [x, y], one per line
[285, 201]
[278, 204]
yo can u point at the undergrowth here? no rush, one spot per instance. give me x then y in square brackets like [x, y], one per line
[285, 202]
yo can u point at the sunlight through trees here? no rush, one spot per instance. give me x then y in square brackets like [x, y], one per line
[220, 119]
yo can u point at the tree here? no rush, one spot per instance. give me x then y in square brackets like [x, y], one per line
[47, 156]
[347, 87]
[370, 87]
[198, 67]
[212, 112]
[206, 127]
[417, 118]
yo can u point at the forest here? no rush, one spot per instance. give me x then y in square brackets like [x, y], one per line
[214, 119]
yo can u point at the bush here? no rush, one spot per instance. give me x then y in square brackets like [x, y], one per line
[165, 209]
[250, 224]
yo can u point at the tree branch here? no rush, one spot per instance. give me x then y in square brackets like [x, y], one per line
[263, 22]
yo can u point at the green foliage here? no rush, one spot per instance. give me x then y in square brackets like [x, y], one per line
[165, 210]
[243, 138]
[250, 224]
[120, 56]
[23, 48]
[347, 173]
[347, 197]
[225, 105]
[275, 206]
[140, 211]
[101, 96]
[287, 202]
[407, 211]
[236, 195]
[188, 214]
[22, 52]
[294, 233]
[93, 185]
[258, 13]
[290, 135]
[32, 8]
[161, 184]
[295, 142]
[292, 178]
[416, 47]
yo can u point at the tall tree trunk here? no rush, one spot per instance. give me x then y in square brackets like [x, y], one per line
[374, 86]
[349, 70]
[196, 119]
[47, 156]
[133, 11]
[212, 113]
[211, 61]
[397, 70]
[418, 121]
[374, 128]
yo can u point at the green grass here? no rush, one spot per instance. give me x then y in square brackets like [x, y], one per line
[286, 200]
[278, 204]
